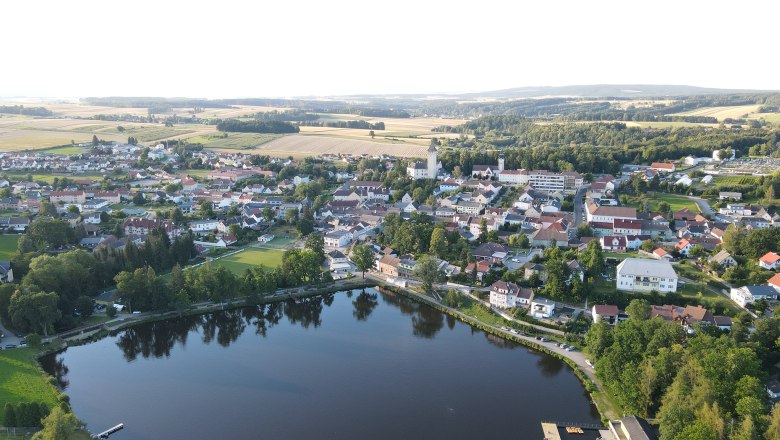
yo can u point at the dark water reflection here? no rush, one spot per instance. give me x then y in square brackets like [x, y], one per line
[344, 366]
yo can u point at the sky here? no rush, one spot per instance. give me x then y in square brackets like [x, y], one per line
[226, 48]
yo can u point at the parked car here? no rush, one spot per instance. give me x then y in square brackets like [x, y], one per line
[513, 331]
[571, 348]
[590, 364]
[10, 346]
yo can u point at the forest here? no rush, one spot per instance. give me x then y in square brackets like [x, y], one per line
[706, 385]
[234, 125]
[588, 148]
[22, 110]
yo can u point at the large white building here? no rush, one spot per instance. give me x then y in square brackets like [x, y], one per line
[428, 170]
[544, 180]
[506, 295]
[608, 214]
[646, 275]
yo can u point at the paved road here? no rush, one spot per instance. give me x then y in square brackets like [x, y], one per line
[579, 208]
[704, 206]
[9, 338]
[576, 356]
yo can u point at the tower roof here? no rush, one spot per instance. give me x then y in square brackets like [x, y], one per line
[432, 148]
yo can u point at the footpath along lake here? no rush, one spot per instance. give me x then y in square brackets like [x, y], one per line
[353, 365]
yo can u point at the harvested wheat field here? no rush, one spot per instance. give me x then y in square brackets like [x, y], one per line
[721, 113]
[307, 145]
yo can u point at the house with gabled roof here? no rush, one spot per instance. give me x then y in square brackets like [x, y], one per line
[770, 261]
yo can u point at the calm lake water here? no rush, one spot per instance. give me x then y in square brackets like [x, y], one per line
[346, 366]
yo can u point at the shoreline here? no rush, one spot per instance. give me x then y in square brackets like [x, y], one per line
[588, 382]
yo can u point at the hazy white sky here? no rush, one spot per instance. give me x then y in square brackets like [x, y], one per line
[228, 48]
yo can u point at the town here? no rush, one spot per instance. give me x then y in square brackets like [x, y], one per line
[545, 251]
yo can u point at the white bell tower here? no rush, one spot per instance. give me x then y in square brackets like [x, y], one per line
[433, 163]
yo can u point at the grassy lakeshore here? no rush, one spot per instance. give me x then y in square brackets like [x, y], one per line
[23, 380]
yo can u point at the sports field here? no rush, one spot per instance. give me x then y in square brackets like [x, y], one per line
[8, 246]
[268, 259]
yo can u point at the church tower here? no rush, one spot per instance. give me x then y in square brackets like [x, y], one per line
[433, 163]
[500, 163]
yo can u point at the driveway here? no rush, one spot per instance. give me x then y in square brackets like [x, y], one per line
[522, 257]
[704, 206]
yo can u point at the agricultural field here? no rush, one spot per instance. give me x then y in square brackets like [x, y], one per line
[268, 259]
[21, 379]
[8, 248]
[21, 133]
[305, 145]
[733, 180]
[231, 142]
[721, 113]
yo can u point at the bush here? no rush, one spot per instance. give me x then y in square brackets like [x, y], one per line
[34, 339]
[9, 414]
[110, 311]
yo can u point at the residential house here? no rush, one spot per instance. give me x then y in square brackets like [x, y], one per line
[687, 316]
[607, 313]
[608, 214]
[338, 239]
[492, 252]
[265, 238]
[663, 167]
[542, 308]
[613, 243]
[775, 282]
[662, 254]
[143, 226]
[646, 275]
[388, 265]
[506, 295]
[6, 272]
[723, 259]
[482, 268]
[747, 294]
[770, 261]
[684, 247]
[730, 195]
[203, 226]
[543, 237]
[531, 269]
[74, 197]
[631, 428]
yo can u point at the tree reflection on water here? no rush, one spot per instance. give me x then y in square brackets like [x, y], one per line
[157, 339]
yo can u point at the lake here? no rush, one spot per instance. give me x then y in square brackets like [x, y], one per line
[350, 365]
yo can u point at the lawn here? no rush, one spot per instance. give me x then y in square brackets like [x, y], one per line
[8, 246]
[675, 202]
[268, 259]
[283, 236]
[21, 379]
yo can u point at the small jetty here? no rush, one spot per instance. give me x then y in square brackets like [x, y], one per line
[105, 434]
[570, 431]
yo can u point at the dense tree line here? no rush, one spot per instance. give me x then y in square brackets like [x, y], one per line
[587, 148]
[288, 115]
[365, 125]
[142, 289]
[26, 415]
[28, 111]
[705, 386]
[234, 125]
[605, 108]
[54, 285]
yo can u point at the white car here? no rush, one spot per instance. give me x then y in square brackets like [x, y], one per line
[513, 331]
[515, 260]
[590, 364]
